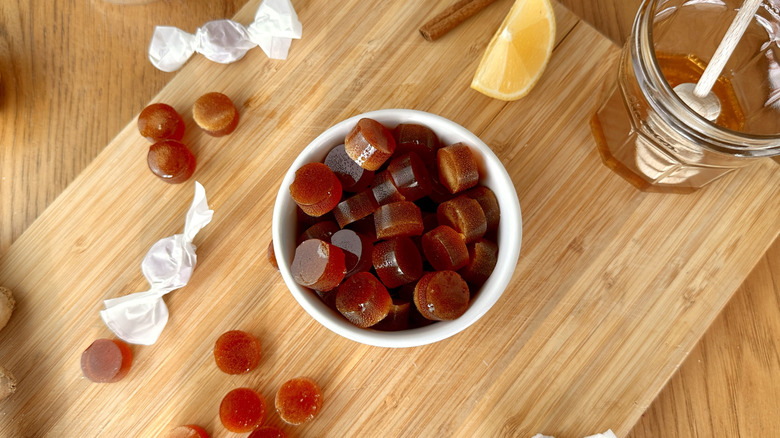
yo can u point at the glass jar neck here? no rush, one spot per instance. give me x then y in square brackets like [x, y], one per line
[671, 109]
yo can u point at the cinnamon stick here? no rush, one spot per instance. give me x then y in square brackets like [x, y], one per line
[451, 17]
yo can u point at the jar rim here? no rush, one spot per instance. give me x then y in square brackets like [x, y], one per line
[675, 110]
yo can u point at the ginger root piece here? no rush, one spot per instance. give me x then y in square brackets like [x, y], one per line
[7, 383]
[7, 304]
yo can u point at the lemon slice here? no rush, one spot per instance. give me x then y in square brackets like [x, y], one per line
[519, 51]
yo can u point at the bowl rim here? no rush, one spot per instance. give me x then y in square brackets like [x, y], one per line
[510, 230]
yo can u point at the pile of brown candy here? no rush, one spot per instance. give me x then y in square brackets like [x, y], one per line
[168, 157]
[395, 230]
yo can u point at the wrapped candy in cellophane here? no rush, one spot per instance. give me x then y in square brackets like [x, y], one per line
[139, 318]
[224, 41]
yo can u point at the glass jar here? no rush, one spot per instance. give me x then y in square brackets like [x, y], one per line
[650, 137]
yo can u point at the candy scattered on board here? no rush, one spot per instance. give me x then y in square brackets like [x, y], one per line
[237, 352]
[298, 400]
[106, 361]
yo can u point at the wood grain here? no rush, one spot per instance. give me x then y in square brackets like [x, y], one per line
[73, 73]
[728, 384]
[726, 387]
[683, 410]
[613, 18]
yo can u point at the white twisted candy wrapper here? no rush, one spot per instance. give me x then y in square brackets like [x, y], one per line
[276, 25]
[139, 318]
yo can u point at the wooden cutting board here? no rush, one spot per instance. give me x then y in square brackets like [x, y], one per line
[612, 290]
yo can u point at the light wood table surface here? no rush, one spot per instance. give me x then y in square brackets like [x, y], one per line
[75, 73]
[728, 385]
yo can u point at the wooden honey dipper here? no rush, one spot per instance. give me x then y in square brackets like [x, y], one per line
[699, 97]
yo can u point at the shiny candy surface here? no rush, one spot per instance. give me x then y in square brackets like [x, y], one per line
[316, 189]
[445, 249]
[242, 410]
[318, 265]
[397, 261]
[267, 432]
[106, 361]
[489, 203]
[420, 139]
[215, 114]
[171, 161]
[160, 121]
[369, 144]
[237, 352]
[363, 299]
[410, 176]
[353, 177]
[397, 318]
[398, 219]
[441, 295]
[463, 215]
[384, 189]
[298, 400]
[354, 208]
[458, 169]
[483, 256]
[322, 230]
[357, 250]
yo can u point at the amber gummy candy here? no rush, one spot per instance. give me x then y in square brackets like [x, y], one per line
[187, 431]
[171, 161]
[489, 203]
[363, 300]
[322, 230]
[318, 265]
[445, 249]
[398, 219]
[439, 193]
[272, 256]
[304, 220]
[353, 177]
[316, 189]
[298, 400]
[483, 256]
[365, 227]
[420, 139]
[215, 114]
[463, 215]
[369, 144]
[441, 296]
[267, 432]
[237, 352]
[160, 121]
[397, 318]
[384, 190]
[106, 361]
[354, 208]
[328, 297]
[242, 410]
[397, 261]
[457, 168]
[410, 176]
[357, 250]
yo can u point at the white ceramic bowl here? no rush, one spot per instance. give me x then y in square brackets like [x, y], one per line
[492, 175]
